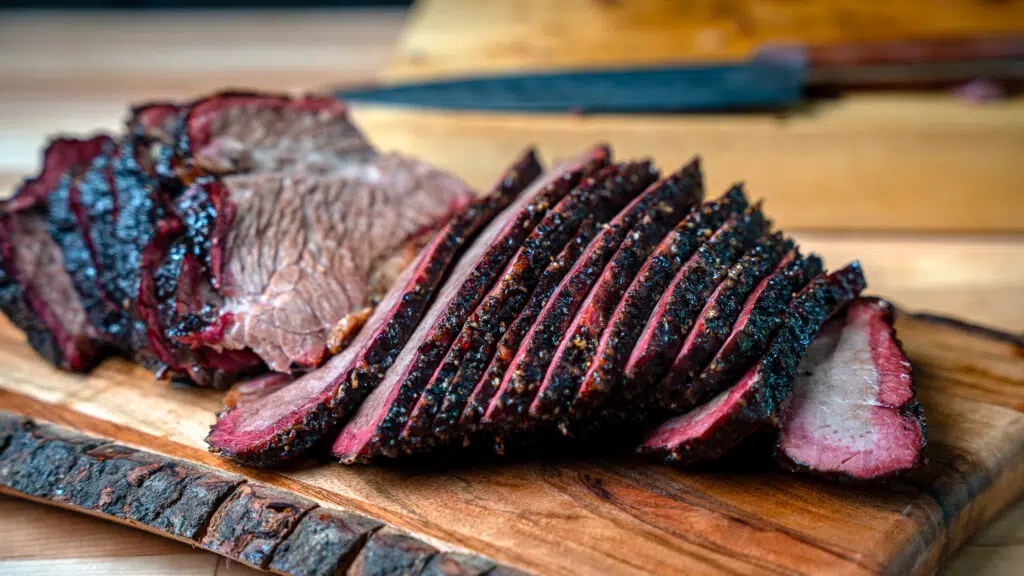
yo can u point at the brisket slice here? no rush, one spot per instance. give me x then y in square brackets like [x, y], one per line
[762, 313]
[491, 375]
[37, 295]
[255, 388]
[570, 205]
[375, 428]
[561, 386]
[508, 408]
[288, 421]
[247, 133]
[174, 270]
[37, 292]
[290, 268]
[628, 320]
[679, 305]
[717, 318]
[713, 429]
[852, 410]
[62, 156]
[75, 207]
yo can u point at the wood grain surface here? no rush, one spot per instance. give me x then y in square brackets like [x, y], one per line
[454, 37]
[570, 514]
[76, 73]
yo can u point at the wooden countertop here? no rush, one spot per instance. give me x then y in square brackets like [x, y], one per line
[76, 73]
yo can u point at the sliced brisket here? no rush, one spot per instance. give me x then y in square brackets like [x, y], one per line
[631, 314]
[852, 410]
[287, 422]
[61, 157]
[717, 318]
[37, 295]
[523, 378]
[37, 291]
[716, 427]
[375, 428]
[491, 375]
[247, 133]
[762, 313]
[289, 268]
[510, 292]
[679, 305]
[575, 354]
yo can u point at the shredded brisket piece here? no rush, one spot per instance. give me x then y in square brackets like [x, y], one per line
[287, 422]
[561, 390]
[713, 429]
[762, 313]
[486, 385]
[716, 320]
[679, 305]
[375, 428]
[852, 411]
[526, 371]
[516, 283]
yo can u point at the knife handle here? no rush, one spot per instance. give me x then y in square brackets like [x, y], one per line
[916, 51]
[907, 63]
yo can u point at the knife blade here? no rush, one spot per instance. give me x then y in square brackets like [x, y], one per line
[775, 78]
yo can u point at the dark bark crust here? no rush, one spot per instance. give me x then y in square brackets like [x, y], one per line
[640, 299]
[571, 204]
[677, 312]
[525, 374]
[392, 553]
[773, 375]
[16, 305]
[488, 375]
[323, 544]
[226, 514]
[253, 522]
[562, 390]
[717, 318]
[747, 345]
[389, 339]
[385, 439]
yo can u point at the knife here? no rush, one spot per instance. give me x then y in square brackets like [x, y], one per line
[776, 77]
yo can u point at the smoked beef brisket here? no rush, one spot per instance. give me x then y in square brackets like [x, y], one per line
[755, 401]
[852, 411]
[562, 382]
[37, 291]
[288, 421]
[240, 232]
[678, 308]
[516, 283]
[287, 268]
[376, 427]
[526, 372]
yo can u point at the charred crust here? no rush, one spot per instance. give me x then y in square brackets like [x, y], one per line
[244, 521]
[390, 551]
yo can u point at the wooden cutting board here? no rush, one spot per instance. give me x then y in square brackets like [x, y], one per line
[620, 514]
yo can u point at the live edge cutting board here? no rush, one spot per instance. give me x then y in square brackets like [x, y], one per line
[569, 515]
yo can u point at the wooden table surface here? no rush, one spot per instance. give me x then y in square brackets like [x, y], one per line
[76, 74]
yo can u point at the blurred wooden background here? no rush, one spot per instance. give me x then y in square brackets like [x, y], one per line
[927, 190]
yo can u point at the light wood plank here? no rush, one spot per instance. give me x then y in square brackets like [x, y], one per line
[453, 37]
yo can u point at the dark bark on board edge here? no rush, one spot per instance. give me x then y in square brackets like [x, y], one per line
[241, 520]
